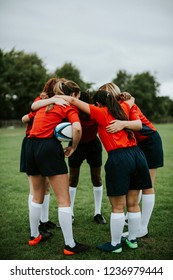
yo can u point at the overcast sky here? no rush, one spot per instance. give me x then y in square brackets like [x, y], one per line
[99, 37]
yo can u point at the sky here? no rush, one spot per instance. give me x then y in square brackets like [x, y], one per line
[99, 37]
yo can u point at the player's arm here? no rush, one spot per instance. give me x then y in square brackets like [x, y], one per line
[45, 102]
[76, 136]
[28, 117]
[25, 118]
[134, 123]
[83, 106]
[117, 125]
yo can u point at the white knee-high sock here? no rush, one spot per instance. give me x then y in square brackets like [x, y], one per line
[133, 224]
[116, 227]
[65, 221]
[34, 218]
[98, 194]
[148, 201]
[30, 197]
[72, 192]
[45, 209]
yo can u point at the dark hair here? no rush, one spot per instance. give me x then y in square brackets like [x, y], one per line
[114, 108]
[87, 97]
[70, 87]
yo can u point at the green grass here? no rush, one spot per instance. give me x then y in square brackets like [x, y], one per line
[14, 223]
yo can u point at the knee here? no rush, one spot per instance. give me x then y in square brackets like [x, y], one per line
[133, 206]
[73, 181]
[118, 208]
[148, 191]
[96, 180]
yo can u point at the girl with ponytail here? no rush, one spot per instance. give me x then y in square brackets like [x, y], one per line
[126, 169]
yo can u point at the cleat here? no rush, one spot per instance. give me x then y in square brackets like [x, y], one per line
[46, 235]
[126, 222]
[78, 248]
[108, 247]
[132, 244]
[44, 232]
[99, 219]
[48, 225]
[34, 240]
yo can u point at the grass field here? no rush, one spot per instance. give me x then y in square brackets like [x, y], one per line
[14, 223]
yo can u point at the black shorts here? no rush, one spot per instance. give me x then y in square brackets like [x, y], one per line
[126, 169]
[45, 157]
[23, 155]
[91, 151]
[153, 150]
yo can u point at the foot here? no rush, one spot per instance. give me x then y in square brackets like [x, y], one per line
[44, 232]
[78, 248]
[48, 225]
[35, 240]
[132, 244]
[108, 247]
[99, 219]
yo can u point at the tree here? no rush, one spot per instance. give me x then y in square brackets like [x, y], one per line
[123, 80]
[22, 77]
[143, 87]
[164, 109]
[70, 72]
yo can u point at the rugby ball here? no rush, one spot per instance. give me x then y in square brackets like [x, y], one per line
[63, 131]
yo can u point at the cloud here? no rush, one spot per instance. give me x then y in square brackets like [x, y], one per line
[99, 37]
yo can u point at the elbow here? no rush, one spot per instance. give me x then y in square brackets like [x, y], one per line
[25, 119]
[72, 100]
[33, 107]
[77, 128]
[139, 125]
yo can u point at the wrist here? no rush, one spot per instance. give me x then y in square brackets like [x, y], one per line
[125, 124]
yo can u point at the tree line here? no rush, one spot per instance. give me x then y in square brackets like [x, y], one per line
[23, 75]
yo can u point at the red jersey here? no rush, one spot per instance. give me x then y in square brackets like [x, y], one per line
[45, 122]
[147, 126]
[111, 141]
[89, 129]
[31, 116]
